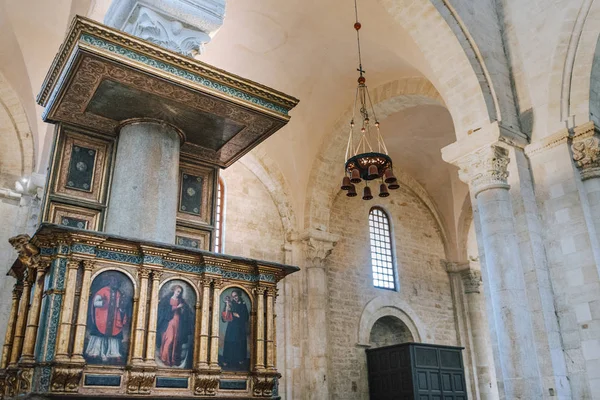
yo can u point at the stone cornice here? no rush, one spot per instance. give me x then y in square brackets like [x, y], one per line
[484, 169]
[556, 139]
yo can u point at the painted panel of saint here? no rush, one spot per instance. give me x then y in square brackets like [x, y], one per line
[109, 319]
[175, 327]
[234, 330]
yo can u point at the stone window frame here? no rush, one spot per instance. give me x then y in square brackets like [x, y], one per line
[381, 243]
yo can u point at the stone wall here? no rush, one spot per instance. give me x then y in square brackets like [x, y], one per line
[253, 226]
[424, 284]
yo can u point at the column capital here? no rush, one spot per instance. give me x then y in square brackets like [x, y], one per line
[317, 246]
[486, 168]
[586, 151]
[144, 273]
[72, 263]
[88, 264]
[471, 280]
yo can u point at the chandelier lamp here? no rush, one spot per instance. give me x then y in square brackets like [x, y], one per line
[367, 156]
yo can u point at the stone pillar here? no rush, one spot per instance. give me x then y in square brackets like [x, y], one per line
[21, 318]
[260, 329]
[10, 328]
[484, 359]
[317, 247]
[144, 191]
[82, 311]
[270, 339]
[33, 319]
[140, 328]
[204, 324]
[214, 330]
[486, 173]
[66, 316]
[153, 318]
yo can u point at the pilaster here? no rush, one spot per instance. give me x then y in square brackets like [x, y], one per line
[317, 246]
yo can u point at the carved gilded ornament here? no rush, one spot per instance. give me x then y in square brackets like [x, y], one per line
[484, 169]
[264, 387]
[206, 384]
[586, 154]
[471, 281]
[66, 379]
[140, 382]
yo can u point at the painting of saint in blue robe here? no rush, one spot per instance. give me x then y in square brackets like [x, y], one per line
[109, 319]
[175, 327]
[234, 332]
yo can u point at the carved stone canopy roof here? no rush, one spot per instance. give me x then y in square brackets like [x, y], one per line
[103, 78]
[51, 240]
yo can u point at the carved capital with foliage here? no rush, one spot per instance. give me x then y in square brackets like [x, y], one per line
[471, 281]
[487, 168]
[586, 153]
[317, 246]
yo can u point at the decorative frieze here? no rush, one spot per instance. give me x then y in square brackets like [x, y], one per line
[487, 168]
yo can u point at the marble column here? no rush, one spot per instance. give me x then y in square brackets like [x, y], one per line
[144, 191]
[33, 319]
[260, 329]
[21, 318]
[214, 330]
[586, 155]
[10, 328]
[270, 331]
[486, 173]
[82, 311]
[484, 358]
[317, 247]
[204, 324]
[140, 324]
[153, 319]
[66, 316]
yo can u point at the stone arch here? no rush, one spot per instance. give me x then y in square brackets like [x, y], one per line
[572, 66]
[269, 173]
[382, 307]
[16, 140]
[389, 330]
[471, 101]
[323, 184]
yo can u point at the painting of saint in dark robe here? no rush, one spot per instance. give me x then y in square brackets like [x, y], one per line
[234, 352]
[109, 319]
[175, 327]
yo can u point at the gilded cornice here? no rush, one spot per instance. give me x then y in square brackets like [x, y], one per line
[116, 250]
[81, 26]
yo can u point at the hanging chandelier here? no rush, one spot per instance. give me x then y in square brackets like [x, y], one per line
[367, 156]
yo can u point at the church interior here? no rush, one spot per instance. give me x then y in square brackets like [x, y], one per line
[370, 199]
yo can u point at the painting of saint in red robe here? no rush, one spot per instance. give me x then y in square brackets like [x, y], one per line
[109, 319]
[175, 327]
[234, 353]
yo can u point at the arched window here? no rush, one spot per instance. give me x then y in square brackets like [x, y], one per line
[220, 215]
[382, 257]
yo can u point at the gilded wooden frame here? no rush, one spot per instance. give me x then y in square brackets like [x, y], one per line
[90, 216]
